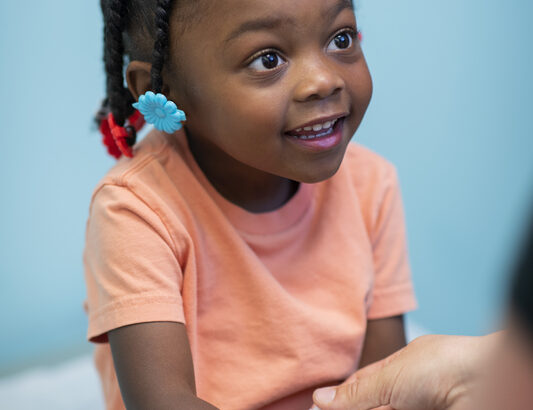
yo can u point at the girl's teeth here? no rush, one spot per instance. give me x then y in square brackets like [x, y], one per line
[316, 128]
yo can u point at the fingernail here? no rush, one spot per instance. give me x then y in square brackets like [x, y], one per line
[314, 407]
[325, 395]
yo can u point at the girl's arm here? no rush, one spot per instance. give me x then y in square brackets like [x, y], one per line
[383, 338]
[153, 363]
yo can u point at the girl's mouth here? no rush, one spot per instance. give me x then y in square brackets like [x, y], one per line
[315, 131]
[318, 137]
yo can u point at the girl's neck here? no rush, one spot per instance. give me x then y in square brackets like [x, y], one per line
[250, 188]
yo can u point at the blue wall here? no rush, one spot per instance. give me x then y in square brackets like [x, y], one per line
[452, 109]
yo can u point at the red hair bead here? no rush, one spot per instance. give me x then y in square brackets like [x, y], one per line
[115, 137]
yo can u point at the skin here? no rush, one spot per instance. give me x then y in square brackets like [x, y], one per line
[507, 382]
[493, 372]
[383, 337]
[237, 117]
[432, 372]
[161, 376]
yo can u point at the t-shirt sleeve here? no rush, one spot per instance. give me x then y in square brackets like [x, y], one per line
[393, 292]
[132, 271]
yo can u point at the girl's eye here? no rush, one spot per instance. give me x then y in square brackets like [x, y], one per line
[341, 41]
[267, 61]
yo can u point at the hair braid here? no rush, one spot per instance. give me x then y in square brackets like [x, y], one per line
[160, 53]
[119, 97]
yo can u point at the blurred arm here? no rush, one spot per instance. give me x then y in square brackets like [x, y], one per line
[383, 338]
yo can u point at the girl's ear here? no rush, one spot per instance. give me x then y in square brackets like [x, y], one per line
[138, 78]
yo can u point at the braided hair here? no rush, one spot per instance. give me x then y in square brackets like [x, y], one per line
[124, 22]
[161, 43]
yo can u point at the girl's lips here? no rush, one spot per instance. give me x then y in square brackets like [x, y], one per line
[321, 140]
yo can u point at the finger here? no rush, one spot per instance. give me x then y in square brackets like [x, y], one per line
[366, 392]
[377, 408]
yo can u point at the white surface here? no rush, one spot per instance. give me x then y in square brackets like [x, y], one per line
[412, 330]
[73, 385]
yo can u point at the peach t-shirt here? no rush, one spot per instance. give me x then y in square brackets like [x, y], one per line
[275, 303]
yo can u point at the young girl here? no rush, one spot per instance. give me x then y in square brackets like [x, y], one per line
[254, 255]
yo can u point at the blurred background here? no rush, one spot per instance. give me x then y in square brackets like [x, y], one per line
[452, 108]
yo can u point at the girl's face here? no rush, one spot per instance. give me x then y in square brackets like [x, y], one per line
[254, 75]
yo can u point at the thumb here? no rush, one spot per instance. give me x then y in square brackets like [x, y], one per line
[368, 389]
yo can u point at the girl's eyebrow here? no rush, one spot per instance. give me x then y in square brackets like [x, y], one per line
[272, 22]
[265, 23]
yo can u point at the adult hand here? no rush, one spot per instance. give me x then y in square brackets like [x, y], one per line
[432, 372]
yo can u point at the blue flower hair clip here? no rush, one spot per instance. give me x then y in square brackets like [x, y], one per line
[160, 112]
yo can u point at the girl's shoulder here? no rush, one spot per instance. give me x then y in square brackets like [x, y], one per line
[157, 184]
[374, 180]
[367, 168]
[149, 149]
[150, 166]
[376, 186]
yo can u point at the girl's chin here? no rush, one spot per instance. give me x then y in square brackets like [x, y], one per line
[321, 173]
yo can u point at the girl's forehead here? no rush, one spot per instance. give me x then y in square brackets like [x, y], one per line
[241, 15]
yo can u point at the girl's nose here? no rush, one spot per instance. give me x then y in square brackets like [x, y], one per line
[317, 80]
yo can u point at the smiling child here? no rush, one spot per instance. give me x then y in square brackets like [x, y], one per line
[254, 254]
